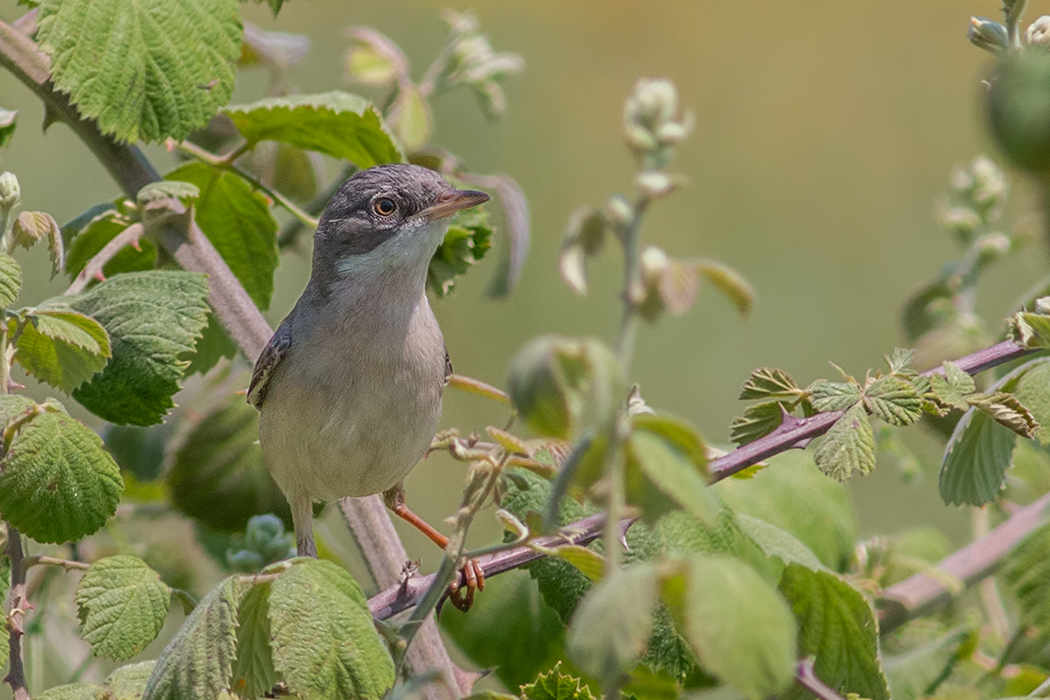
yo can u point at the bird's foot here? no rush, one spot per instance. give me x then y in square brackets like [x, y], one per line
[462, 595]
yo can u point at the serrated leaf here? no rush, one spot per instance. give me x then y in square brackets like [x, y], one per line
[926, 309]
[836, 626]
[73, 691]
[833, 396]
[7, 125]
[338, 124]
[33, 226]
[893, 400]
[1026, 572]
[10, 280]
[168, 74]
[953, 386]
[1033, 391]
[197, 663]
[11, 407]
[918, 672]
[171, 188]
[467, 240]
[62, 348]
[778, 543]
[674, 475]
[1007, 410]
[253, 673]
[609, 632]
[769, 382]
[899, 359]
[793, 495]
[237, 220]
[1032, 330]
[554, 685]
[758, 421]
[740, 629]
[57, 483]
[122, 604]
[128, 682]
[848, 447]
[152, 319]
[975, 459]
[324, 644]
[729, 282]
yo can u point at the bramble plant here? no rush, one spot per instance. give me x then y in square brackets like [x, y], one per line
[659, 566]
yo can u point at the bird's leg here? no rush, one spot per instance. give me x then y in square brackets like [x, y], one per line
[303, 520]
[472, 571]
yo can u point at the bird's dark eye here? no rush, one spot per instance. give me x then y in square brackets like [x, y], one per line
[384, 206]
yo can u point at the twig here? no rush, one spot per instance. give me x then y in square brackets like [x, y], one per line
[922, 593]
[15, 619]
[226, 163]
[66, 564]
[806, 678]
[128, 236]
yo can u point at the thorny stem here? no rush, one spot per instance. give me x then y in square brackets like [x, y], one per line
[15, 618]
[128, 236]
[226, 163]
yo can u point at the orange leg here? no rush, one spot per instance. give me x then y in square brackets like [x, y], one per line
[473, 574]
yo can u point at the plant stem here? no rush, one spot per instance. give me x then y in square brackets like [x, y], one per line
[66, 564]
[226, 163]
[15, 619]
[806, 678]
[128, 236]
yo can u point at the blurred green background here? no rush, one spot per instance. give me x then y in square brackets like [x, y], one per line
[825, 131]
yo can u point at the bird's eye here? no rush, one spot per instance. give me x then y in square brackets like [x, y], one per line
[384, 206]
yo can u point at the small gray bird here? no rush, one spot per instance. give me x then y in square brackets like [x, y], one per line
[349, 386]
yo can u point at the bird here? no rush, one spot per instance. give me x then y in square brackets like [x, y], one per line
[349, 387]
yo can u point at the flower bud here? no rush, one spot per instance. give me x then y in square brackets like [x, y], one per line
[9, 191]
[988, 35]
[1038, 33]
[655, 183]
[989, 183]
[1019, 109]
[618, 211]
[992, 246]
[961, 221]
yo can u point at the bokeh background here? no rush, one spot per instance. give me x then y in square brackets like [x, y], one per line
[825, 131]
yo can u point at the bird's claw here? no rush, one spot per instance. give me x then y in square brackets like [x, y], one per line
[474, 576]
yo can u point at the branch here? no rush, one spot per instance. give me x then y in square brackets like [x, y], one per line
[66, 564]
[799, 432]
[925, 592]
[15, 619]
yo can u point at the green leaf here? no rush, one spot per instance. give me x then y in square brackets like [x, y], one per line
[197, 663]
[894, 400]
[10, 280]
[793, 495]
[12, 406]
[62, 348]
[122, 604]
[152, 318]
[91, 231]
[218, 460]
[778, 543]
[411, 117]
[848, 447]
[927, 309]
[57, 483]
[612, 624]
[1032, 330]
[335, 123]
[918, 672]
[186, 192]
[32, 226]
[899, 359]
[678, 433]
[836, 626]
[1007, 410]
[758, 421]
[672, 474]
[465, 244]
[1033, 391]
[729, 282]
[129, 682]
[1026, 572]
[769, 382]
[740, 629]
[554, 685]
[953, 387]
[237, 220]
[834, 396]
[253, 673]
[73, 691]
[975, 460]
[7, 125]
[168, 74]
[324, 644]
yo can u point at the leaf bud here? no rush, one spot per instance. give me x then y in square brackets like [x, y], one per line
[987, 34]
[989, 183]
[653, 102]
[619, 211]
[655, 183]
[10, 191]
[1038, 32]
[960, 221]
[562, 386]
[992, 246]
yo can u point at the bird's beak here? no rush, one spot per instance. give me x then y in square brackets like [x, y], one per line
[451, 202]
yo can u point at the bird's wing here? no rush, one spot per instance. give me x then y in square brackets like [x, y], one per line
[448, 365]
[269, 358]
